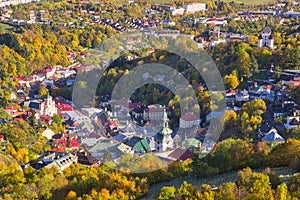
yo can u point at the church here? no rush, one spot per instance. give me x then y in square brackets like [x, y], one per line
[265, 38]
[163, 139]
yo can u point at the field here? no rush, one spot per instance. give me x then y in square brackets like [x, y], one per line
[5, 28]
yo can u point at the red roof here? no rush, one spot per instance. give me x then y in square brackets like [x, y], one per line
[134, 105]
[46, 118]
[11, 108]
[64, 107]
[18, 119]
[58, 149]
[74, 143]
[153, 108]
[19, 77]
[268, 87]
[189, 117]
[113, 123]
[230, 92]
[181, 154]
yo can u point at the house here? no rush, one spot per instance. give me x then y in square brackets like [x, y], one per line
[180, 154]
[194, 7]
[265, 129]
[63, 108]
[48, 133]
[229, 94]
[242, 96]
[61, 160]
[189, 120]
[273, 136]
[291, 13]
[91, 111]
[155, 112]
[292, 122]
[279, 111]
[46, 107]
[179, 11]
[85, 158]
[90, 140]
[137, 144]
[265, 38]
[11, 109]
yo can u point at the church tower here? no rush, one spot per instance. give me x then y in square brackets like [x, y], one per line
[266, 38]
[163, 138]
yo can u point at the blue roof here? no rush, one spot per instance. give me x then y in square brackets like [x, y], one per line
[173, 134]
[120, 137]
[272, 137]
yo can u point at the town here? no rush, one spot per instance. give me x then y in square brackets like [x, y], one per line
[46, 48]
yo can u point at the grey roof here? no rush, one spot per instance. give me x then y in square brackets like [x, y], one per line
[267, 29]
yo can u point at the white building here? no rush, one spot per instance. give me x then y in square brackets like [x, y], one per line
[178, 11]
[189, 120]
[194, 7]
[155, 112]
[242, 96]
[163, 139]
[292, 122]
[4, 3]
[266, 39]
[49, 106]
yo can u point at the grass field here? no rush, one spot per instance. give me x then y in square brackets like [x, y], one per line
[5, 28]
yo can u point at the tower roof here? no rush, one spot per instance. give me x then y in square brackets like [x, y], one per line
[267, 29]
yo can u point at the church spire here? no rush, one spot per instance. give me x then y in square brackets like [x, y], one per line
[165, 118]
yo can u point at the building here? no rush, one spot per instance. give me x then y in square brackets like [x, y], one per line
[155, 112]
[46, 107]
[273, 136]
[242, 96]
[189, 120]
[291, 13]
[194, 7]
[265, 38]
[61, 160]
[49, 106]
[137, 144]
[164, 139]
[4, 3]
[292, 122]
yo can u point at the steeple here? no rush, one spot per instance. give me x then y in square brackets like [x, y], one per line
[165, 118]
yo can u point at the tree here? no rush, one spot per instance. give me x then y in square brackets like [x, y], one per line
[256, 185]
[254, 107]
[228, 191]
[231, 81]
[230, 119]
[43, 91]
[57, 119]
[282, 192]
[167, 193]
[243, 61]
[295, 94]
[71, 195]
